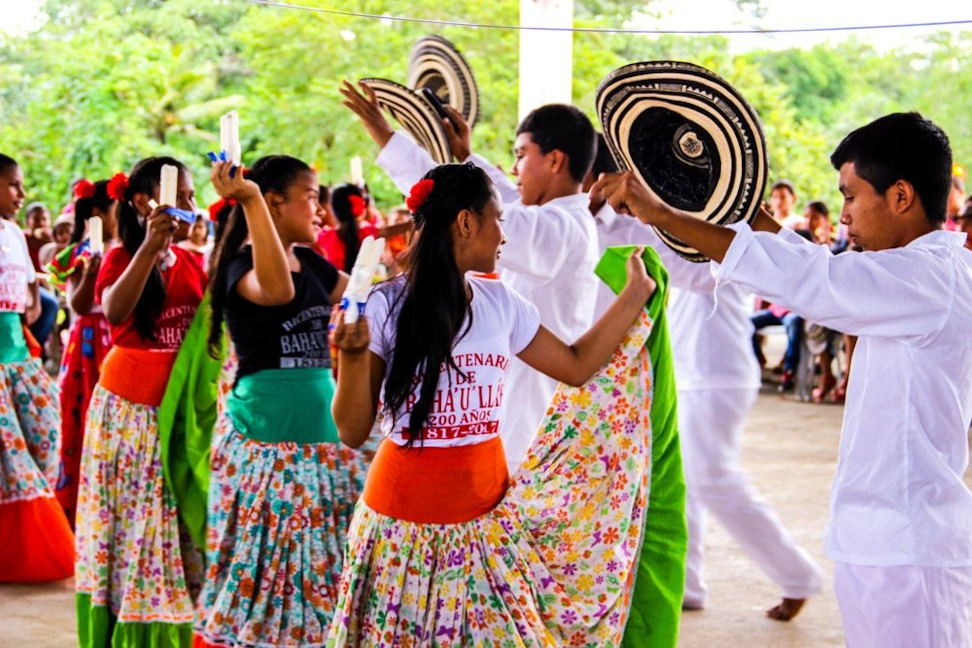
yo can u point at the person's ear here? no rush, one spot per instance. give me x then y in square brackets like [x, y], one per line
[274, 202]
[558, 161]
[466, 224]
[902, 195]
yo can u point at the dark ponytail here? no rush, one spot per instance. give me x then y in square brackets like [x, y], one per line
[274, 173]
[341, 205]
[144, 179]
[84, 209]
[434, 304]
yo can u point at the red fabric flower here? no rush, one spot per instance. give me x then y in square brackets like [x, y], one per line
[117, 186]
[419, 194]
[220, 207]
[357, 204]
[84, 189]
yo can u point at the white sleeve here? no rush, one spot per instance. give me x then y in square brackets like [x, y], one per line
[682, 273]
[538, 240]
[22, 240]
[404, 161]
[882, 294]
[526, 321]
[507, 188]
[379, 327]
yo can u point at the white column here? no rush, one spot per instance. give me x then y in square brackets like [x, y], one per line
[546, 57]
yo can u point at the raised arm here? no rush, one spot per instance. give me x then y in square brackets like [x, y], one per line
[628, 195]
[575, 363]
[270, 282]
[119, 299]
[81, 285]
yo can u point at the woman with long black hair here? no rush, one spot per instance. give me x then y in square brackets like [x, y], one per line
[282, 488]
[137, 570]
[444, 548]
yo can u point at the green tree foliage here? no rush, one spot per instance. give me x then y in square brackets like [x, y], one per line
[105, 82]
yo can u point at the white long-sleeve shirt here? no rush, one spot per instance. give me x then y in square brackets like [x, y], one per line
[898, 496]
[710, 325]
[549, 258]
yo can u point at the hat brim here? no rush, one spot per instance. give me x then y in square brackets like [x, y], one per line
[690, 137]
[415, 115]
[436, 64]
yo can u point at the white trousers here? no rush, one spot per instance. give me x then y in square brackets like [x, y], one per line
[903, 606]
[710, 429]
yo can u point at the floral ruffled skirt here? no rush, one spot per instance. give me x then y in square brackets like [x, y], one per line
[552, 564]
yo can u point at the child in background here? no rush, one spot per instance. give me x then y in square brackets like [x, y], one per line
[341, 243]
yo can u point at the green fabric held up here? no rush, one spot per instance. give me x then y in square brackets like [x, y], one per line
[99, 628]
[281, 405]
[187, 416]
[656, 604]
[13, 346]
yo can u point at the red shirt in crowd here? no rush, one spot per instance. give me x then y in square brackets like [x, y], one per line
[185, 282]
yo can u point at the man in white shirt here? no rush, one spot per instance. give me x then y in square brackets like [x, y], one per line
[718, 379]
[551, 245]
[901, 515]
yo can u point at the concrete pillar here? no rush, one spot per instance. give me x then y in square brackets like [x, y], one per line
[546, 57]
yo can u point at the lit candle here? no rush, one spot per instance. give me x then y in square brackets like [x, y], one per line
[357, 175]
[229, 137]
[95, 235]
[168, 184]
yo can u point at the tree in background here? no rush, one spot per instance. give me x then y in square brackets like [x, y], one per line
[105, 82]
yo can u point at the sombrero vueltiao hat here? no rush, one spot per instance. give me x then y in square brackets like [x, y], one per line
[437, 65]
[691, 139]
[415, 115]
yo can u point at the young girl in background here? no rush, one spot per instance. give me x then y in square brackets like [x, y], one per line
[342, 242]
[282, 488]
[36, 542]
[89, 337]
[442, 549]
[137, 573]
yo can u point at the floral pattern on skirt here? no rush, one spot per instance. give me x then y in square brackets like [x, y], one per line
[133, 557]
[30, 431]
[87, 347]
[277, 527]
[552, 565]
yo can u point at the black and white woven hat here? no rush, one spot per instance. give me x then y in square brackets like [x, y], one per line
[691, 138]
[436, 64]
[415, 115]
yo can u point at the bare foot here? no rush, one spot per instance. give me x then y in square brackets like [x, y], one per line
[786, 610]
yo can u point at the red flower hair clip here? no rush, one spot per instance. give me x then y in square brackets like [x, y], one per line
[117, 186]
[419, 194]
[219, 209]
[357, 204]
[84, 189]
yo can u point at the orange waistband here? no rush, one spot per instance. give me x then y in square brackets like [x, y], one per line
[137, 375]
[436, 485]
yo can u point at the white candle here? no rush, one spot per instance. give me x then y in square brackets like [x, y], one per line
[357, 175]
[95, 235]
[168, 184]
[229, 137]
[362, 276]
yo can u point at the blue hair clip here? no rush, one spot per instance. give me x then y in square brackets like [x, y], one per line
[233, 171]
[222, 156]
[212, 157]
